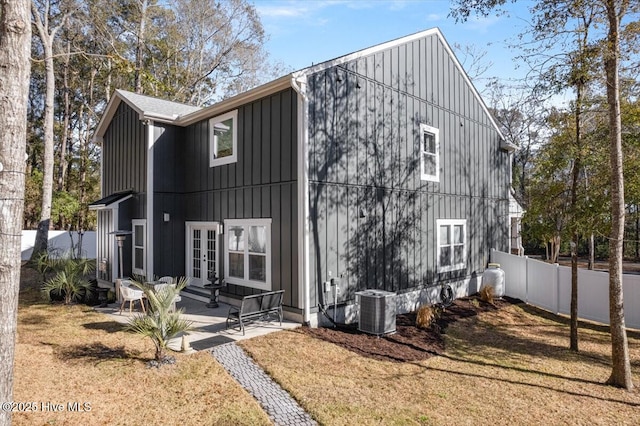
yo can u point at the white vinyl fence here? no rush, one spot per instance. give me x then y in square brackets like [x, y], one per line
[548, 286]
[61, 241]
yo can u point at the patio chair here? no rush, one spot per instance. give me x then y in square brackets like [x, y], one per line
[119, 285]
[161, 287]
[131, 295]
[167, 279]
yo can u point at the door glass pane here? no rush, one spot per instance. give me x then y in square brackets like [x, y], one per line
[196, 252]
[211, 253]
[236, 238]
[139, 258]
[236, 265]
[139, 233]
[257, 267]
[258, 239]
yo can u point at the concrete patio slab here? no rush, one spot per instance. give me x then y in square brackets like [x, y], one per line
[209, 324]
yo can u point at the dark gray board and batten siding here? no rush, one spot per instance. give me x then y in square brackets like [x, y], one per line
[261, 184]
[373, 221]
[124, 158]
[124, 168]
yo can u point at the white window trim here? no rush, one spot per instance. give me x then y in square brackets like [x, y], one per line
[451, 223]
[436, 132]
[213, 161]
[246, 223]
[143, 223]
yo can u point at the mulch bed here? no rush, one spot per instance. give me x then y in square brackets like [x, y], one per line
[408, 343]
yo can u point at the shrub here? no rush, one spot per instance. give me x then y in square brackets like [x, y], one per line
[487, 294]
[426, 315]
[69, 280]
[160, 323]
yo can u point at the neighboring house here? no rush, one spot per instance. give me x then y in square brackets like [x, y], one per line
[381, 169]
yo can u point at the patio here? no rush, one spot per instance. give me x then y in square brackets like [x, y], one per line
[209, 324]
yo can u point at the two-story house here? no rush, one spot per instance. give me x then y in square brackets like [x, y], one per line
[380, 169]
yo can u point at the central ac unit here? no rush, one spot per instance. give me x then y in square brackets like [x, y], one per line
[377, 312]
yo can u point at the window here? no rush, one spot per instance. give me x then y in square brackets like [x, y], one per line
[223, 139]
[452, 245]
[248, 252]
[139, 262]
[429, 153]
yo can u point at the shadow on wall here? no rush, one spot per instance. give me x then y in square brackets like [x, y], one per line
[373, 219]
[61, 241]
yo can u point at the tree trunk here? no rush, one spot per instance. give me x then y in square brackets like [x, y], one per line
[637, 237]
[42, 234]
[621, 367]
[15, 51]
[575, 177]
[592, 254]
[139, 47]
[62, 166]
[573, 333]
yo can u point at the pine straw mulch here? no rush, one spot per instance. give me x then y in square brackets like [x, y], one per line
[408, 343]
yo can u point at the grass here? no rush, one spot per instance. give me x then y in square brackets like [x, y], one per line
[67, 354]
[505, 367]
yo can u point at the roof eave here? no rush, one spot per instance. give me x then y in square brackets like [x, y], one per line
[507, 146]
[236, 101]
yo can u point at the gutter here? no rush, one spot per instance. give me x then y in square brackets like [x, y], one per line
[299, 84]
[236, 101]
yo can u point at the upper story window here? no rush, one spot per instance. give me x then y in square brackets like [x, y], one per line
[139, 264]
[247, 257]
[223, 139]
[429, 153]
[452, 244]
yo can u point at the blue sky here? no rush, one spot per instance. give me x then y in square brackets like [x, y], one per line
[311, 31]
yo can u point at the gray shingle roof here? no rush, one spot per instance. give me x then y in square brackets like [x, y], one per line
[155, 106]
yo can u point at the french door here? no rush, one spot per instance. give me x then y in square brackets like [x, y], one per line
[201, 252]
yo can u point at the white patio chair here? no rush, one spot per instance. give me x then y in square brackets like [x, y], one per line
[166, 279]
[131, 295]
[119, 284]
[161, 287]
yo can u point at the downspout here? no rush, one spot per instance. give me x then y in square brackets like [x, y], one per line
[299, 84]
[149, 227]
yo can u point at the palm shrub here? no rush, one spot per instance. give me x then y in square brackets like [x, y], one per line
[69, 277]
[160, 323]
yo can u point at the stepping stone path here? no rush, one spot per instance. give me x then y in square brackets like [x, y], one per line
[281, 408]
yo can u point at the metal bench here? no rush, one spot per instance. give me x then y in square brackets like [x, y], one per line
[263, 306]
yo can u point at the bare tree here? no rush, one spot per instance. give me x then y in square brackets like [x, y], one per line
[41, 13]
[140, 44]
[15, 46]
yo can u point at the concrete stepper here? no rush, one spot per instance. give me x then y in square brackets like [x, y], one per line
[281, 408]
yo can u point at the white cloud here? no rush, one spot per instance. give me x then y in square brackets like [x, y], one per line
[481, 24]
[434, 17]
[280, 11]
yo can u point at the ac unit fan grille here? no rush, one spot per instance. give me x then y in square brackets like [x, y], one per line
[377, 312]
